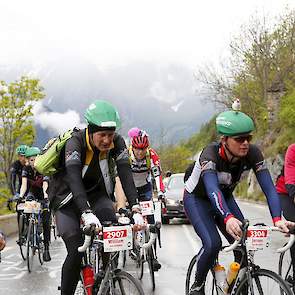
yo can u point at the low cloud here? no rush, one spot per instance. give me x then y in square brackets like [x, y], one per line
[55, 122]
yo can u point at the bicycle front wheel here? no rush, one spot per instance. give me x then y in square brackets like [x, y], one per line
[124, 283]
[30, 246]
[210, 286]
[264, 282]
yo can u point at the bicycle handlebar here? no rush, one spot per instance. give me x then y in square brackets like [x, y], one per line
[272, 228]
[86, 244]
[151, 241]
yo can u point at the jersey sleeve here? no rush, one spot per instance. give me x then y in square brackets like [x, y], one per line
[208, 159]
[256, 159]
[13, 177]
[157, 171]
[121, 156]
[73, 168]
[205, 168]
[25, 172]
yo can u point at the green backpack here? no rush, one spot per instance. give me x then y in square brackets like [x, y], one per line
[48, 162]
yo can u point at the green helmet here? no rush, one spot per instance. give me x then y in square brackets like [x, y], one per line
[231, 123]
[102, 114]
[32, 151]
[21, 149]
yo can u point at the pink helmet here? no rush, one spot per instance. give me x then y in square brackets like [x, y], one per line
[133, 132]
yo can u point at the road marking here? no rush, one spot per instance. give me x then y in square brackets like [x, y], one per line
[195, 244]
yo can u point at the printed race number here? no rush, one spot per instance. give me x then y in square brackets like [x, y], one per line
[147, 208]
[117, 238]
[258, 237]
[115, 234]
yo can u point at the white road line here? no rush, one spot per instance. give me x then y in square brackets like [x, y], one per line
[195, 244]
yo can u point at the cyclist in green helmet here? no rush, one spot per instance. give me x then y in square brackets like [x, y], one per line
[16, 170]
[84, 188]
[209, 184]
[34, 185]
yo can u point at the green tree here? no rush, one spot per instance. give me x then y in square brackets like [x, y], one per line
[16, 118]
[175, 158]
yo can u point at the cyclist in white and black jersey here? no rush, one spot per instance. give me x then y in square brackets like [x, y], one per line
[209, 183]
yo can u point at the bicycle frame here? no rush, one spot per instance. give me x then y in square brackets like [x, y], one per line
[247, 261]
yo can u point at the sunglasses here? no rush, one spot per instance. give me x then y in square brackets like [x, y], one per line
[241, 139]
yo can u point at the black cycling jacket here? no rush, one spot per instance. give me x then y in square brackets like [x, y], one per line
[88, 173]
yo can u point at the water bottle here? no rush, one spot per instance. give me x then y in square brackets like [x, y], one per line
[220, 277]
[88, 278]
[232, 274]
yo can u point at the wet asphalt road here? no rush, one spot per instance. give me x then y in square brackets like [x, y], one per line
[179, 241]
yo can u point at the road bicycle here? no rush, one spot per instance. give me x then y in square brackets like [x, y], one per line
[107, 280]
[34, 241]
[251, 279]
[143, 252]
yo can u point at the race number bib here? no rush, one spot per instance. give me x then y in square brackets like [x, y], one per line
[20, 206]
[147, 208]
[258, 237]
[32, 207]
[117, 238]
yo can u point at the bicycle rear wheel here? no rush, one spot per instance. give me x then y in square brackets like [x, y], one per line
[30, 246]
[210, 286]
[264, 282]
[286, 270]
[124, 283]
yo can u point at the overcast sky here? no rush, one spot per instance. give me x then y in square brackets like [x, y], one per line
[130, 41]
[117, 32]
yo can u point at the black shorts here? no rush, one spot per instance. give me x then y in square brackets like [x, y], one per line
[68, 217]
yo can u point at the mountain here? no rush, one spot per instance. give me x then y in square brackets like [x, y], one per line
[161, 98]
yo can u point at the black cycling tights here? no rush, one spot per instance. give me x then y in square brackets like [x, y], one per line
[68, 226]
[71, 267]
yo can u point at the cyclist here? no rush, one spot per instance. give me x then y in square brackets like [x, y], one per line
[209, 185]
[285, 186]
[16, 170]
[34, 184]
[84, 188]
[145, 163]
[16, 174]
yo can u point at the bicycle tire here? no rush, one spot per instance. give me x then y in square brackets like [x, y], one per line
[121, 275]
[139, 262]
[210, 286]
[21, 237]
[150, 259]
[30, 246]
[282, 288]
[288, 275]
[124, 258]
